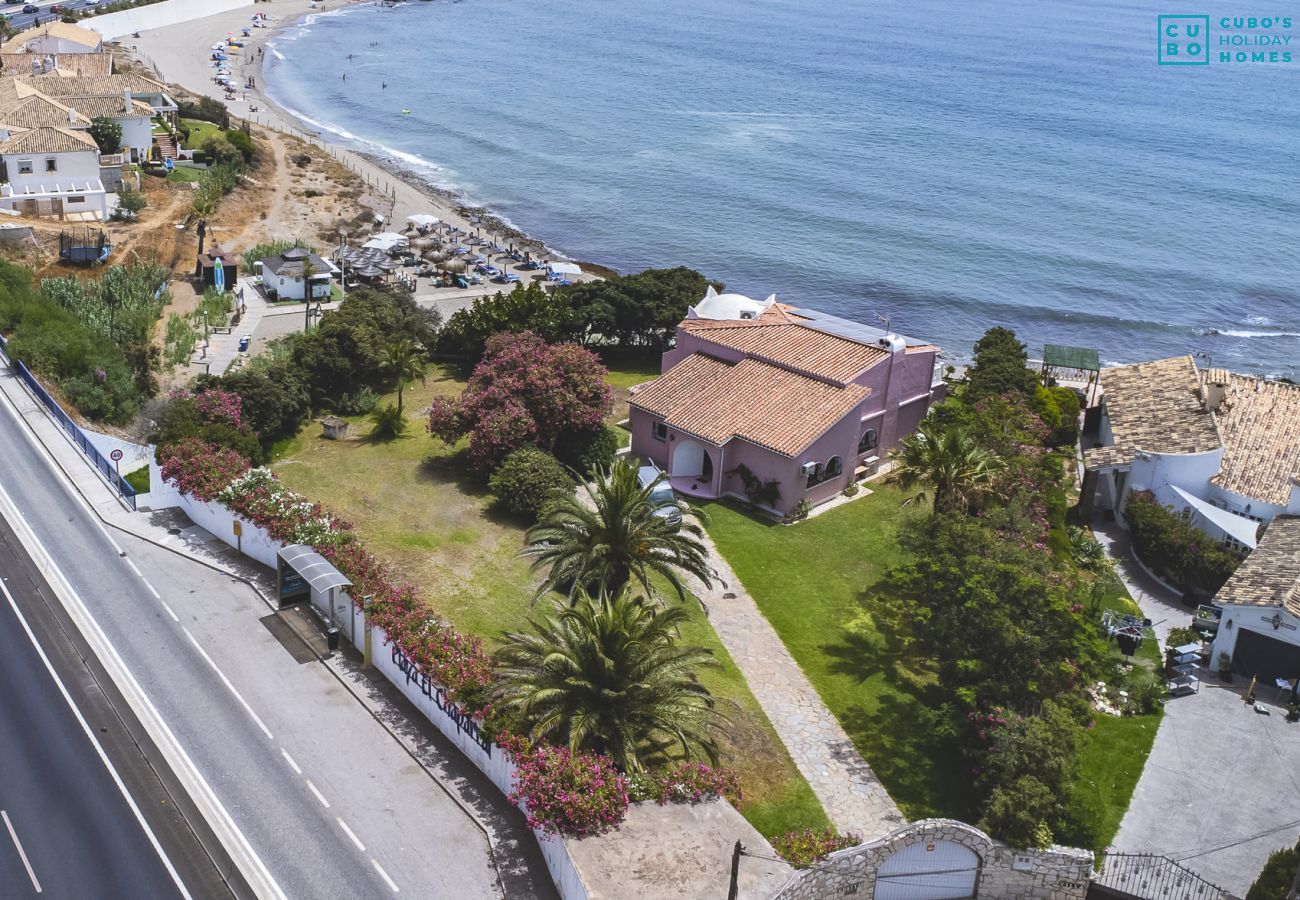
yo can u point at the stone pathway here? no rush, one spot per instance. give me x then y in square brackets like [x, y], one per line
[850, 792]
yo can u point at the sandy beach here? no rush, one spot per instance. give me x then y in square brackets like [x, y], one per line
[180, 54]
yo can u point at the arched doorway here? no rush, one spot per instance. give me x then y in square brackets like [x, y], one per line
[929, 870]
[691, 460]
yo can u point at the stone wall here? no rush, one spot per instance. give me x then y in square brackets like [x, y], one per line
[1057, 873]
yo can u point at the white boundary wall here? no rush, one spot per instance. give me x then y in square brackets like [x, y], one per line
[158, 15]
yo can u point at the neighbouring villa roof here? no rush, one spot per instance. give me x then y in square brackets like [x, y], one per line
[63, 30]
[1154, 406]
[47, 140]
[1270, 576]
[58, 85]
[780, 338]
[1158, 407]
[38, 110]
[110, 105]
[1260, 424]
[69, 63]
[753, 400]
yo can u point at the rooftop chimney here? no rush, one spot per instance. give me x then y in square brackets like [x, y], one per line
[127, 96]
[1216, 389]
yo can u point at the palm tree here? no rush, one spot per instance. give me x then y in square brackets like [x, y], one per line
[607, 674]
[403, 359]
[946, 462]
[611, 534]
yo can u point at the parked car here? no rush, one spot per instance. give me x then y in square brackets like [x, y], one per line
[662, 497]
[31, 8]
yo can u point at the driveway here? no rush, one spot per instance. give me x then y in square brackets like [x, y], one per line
[1221, 789]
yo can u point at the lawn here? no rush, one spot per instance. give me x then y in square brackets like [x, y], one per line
[419, 509]
[139, 479]
[199, 132]
[809, 580]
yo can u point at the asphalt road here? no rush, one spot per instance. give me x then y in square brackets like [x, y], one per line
[66, 828]
[13, 12]
[322, 794]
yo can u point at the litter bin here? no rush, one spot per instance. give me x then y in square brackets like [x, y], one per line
[332, 639]
[243, 343]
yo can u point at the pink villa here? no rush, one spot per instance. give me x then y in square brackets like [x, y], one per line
[759, 389]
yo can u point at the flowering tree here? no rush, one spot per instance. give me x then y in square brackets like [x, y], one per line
[199, 468]
[524, 391]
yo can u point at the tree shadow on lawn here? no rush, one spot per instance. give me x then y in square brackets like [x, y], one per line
[454, 470]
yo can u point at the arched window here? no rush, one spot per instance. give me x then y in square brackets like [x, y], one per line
[868, 440]
[834, 467]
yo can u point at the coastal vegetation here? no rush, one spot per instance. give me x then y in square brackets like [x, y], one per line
[1175, 549]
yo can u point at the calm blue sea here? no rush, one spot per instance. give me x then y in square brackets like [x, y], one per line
[947, 164]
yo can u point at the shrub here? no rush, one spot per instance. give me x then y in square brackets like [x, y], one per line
[1275, 879]
[221, 151]
[1168, 542]
[206, 109]
[241, 141]
[584, 451]
[131, 201]
[199, 468]
[215, 416]
[525, 391]
[357, 403]
[1179, 637]
[687, 782]
[389, 423]
[527, 480]
[274, 399]
[576, 795]
[803, 848]
[106, 133]
[758, 492]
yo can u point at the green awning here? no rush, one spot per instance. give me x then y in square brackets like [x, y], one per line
[1071, 357]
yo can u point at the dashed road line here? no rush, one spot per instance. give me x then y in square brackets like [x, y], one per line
[226, 681]
[353, 837]
[384, 875]
[175, 618]
[134, 568]
[319, 796]
[289, 759]
[153, 590]
[23, 853]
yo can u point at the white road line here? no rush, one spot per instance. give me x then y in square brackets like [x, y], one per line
[319, 796]
[226, 681]
[384, 875]
[117, 779]
[23, 853]
[154, 591]
[169, 610]
[289, 759]
[93, 518]
[348, 832]
[134, 568]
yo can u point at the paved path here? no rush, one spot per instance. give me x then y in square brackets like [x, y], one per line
[851, 793]
[1159, 604]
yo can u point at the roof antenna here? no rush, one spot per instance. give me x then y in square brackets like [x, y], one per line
[885, 320]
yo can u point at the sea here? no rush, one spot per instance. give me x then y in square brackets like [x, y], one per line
[940, 165]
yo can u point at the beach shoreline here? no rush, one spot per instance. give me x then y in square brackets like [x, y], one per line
[179, 54]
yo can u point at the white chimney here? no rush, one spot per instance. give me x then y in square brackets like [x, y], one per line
[72, 116]
[127, 95]
[1216, 388]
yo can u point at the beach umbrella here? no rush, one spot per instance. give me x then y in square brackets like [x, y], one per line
[369, 272]
[454, 265]
[421, 243]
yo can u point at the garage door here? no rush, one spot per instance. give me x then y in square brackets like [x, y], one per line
[1265, 656]
[940, 870]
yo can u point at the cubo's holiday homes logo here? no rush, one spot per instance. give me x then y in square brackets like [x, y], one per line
[1185, 40]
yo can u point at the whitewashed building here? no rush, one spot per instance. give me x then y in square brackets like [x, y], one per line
[1223, 445]
[1260, 627]
[51, 171]
[54, 38]
[285, 275]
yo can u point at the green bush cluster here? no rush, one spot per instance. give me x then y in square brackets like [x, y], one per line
[1275, 879]
[527, 480]
[276, 398]
[1174, 548]
[584, 451]
[206, 109]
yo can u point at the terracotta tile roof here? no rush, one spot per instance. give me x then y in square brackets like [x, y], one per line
[791, 346]
[64, 30]
[57, 85]
[751, 400]
[1270, 576]
[69, 63]
[1260, 424]
[111, 105]
[1154, 406]
[38, 110]
[47, 140]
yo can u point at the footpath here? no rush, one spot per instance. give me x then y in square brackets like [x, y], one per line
[384, 736]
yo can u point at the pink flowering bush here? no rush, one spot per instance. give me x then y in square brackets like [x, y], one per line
[199, 468]
[218, 406]
[686, 782]
[259, 497]
[574, 794]
[803, 848]
[524, 391]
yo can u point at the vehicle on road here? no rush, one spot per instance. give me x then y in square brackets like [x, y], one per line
[31, 8]
[662, 496]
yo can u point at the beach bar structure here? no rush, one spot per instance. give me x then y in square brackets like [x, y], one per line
[1073, 364]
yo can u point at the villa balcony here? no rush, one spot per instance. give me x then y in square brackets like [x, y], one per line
[693, 486]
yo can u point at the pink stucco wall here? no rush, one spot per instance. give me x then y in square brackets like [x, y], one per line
[903, 379]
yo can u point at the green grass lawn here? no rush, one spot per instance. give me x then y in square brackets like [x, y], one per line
[199, 132]
[809, 580]
[418, 508]
[139, 479]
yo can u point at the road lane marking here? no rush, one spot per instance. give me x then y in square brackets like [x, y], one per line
[85, 726]
[169, 610]
[319, 796]
[196, 785]
[384, 875]
[226, 681]
[348, 832]
[134, 568]
[23, 853]
[152, 590]
[289, 759]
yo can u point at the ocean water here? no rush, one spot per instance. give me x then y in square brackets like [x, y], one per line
[945, 164]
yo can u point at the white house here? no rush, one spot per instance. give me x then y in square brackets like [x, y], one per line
[284, 274]
[1223, 445]
[51, 172]
[1260, 627]
[134, 116]
[55, 37]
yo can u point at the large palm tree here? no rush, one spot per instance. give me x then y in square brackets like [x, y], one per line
[403, 359]
[610, 535]
[948, 464]
[607, 674]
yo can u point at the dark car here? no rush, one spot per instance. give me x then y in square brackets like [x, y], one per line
[31, 8]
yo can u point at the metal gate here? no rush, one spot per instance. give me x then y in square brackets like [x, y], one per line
[938, 870]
